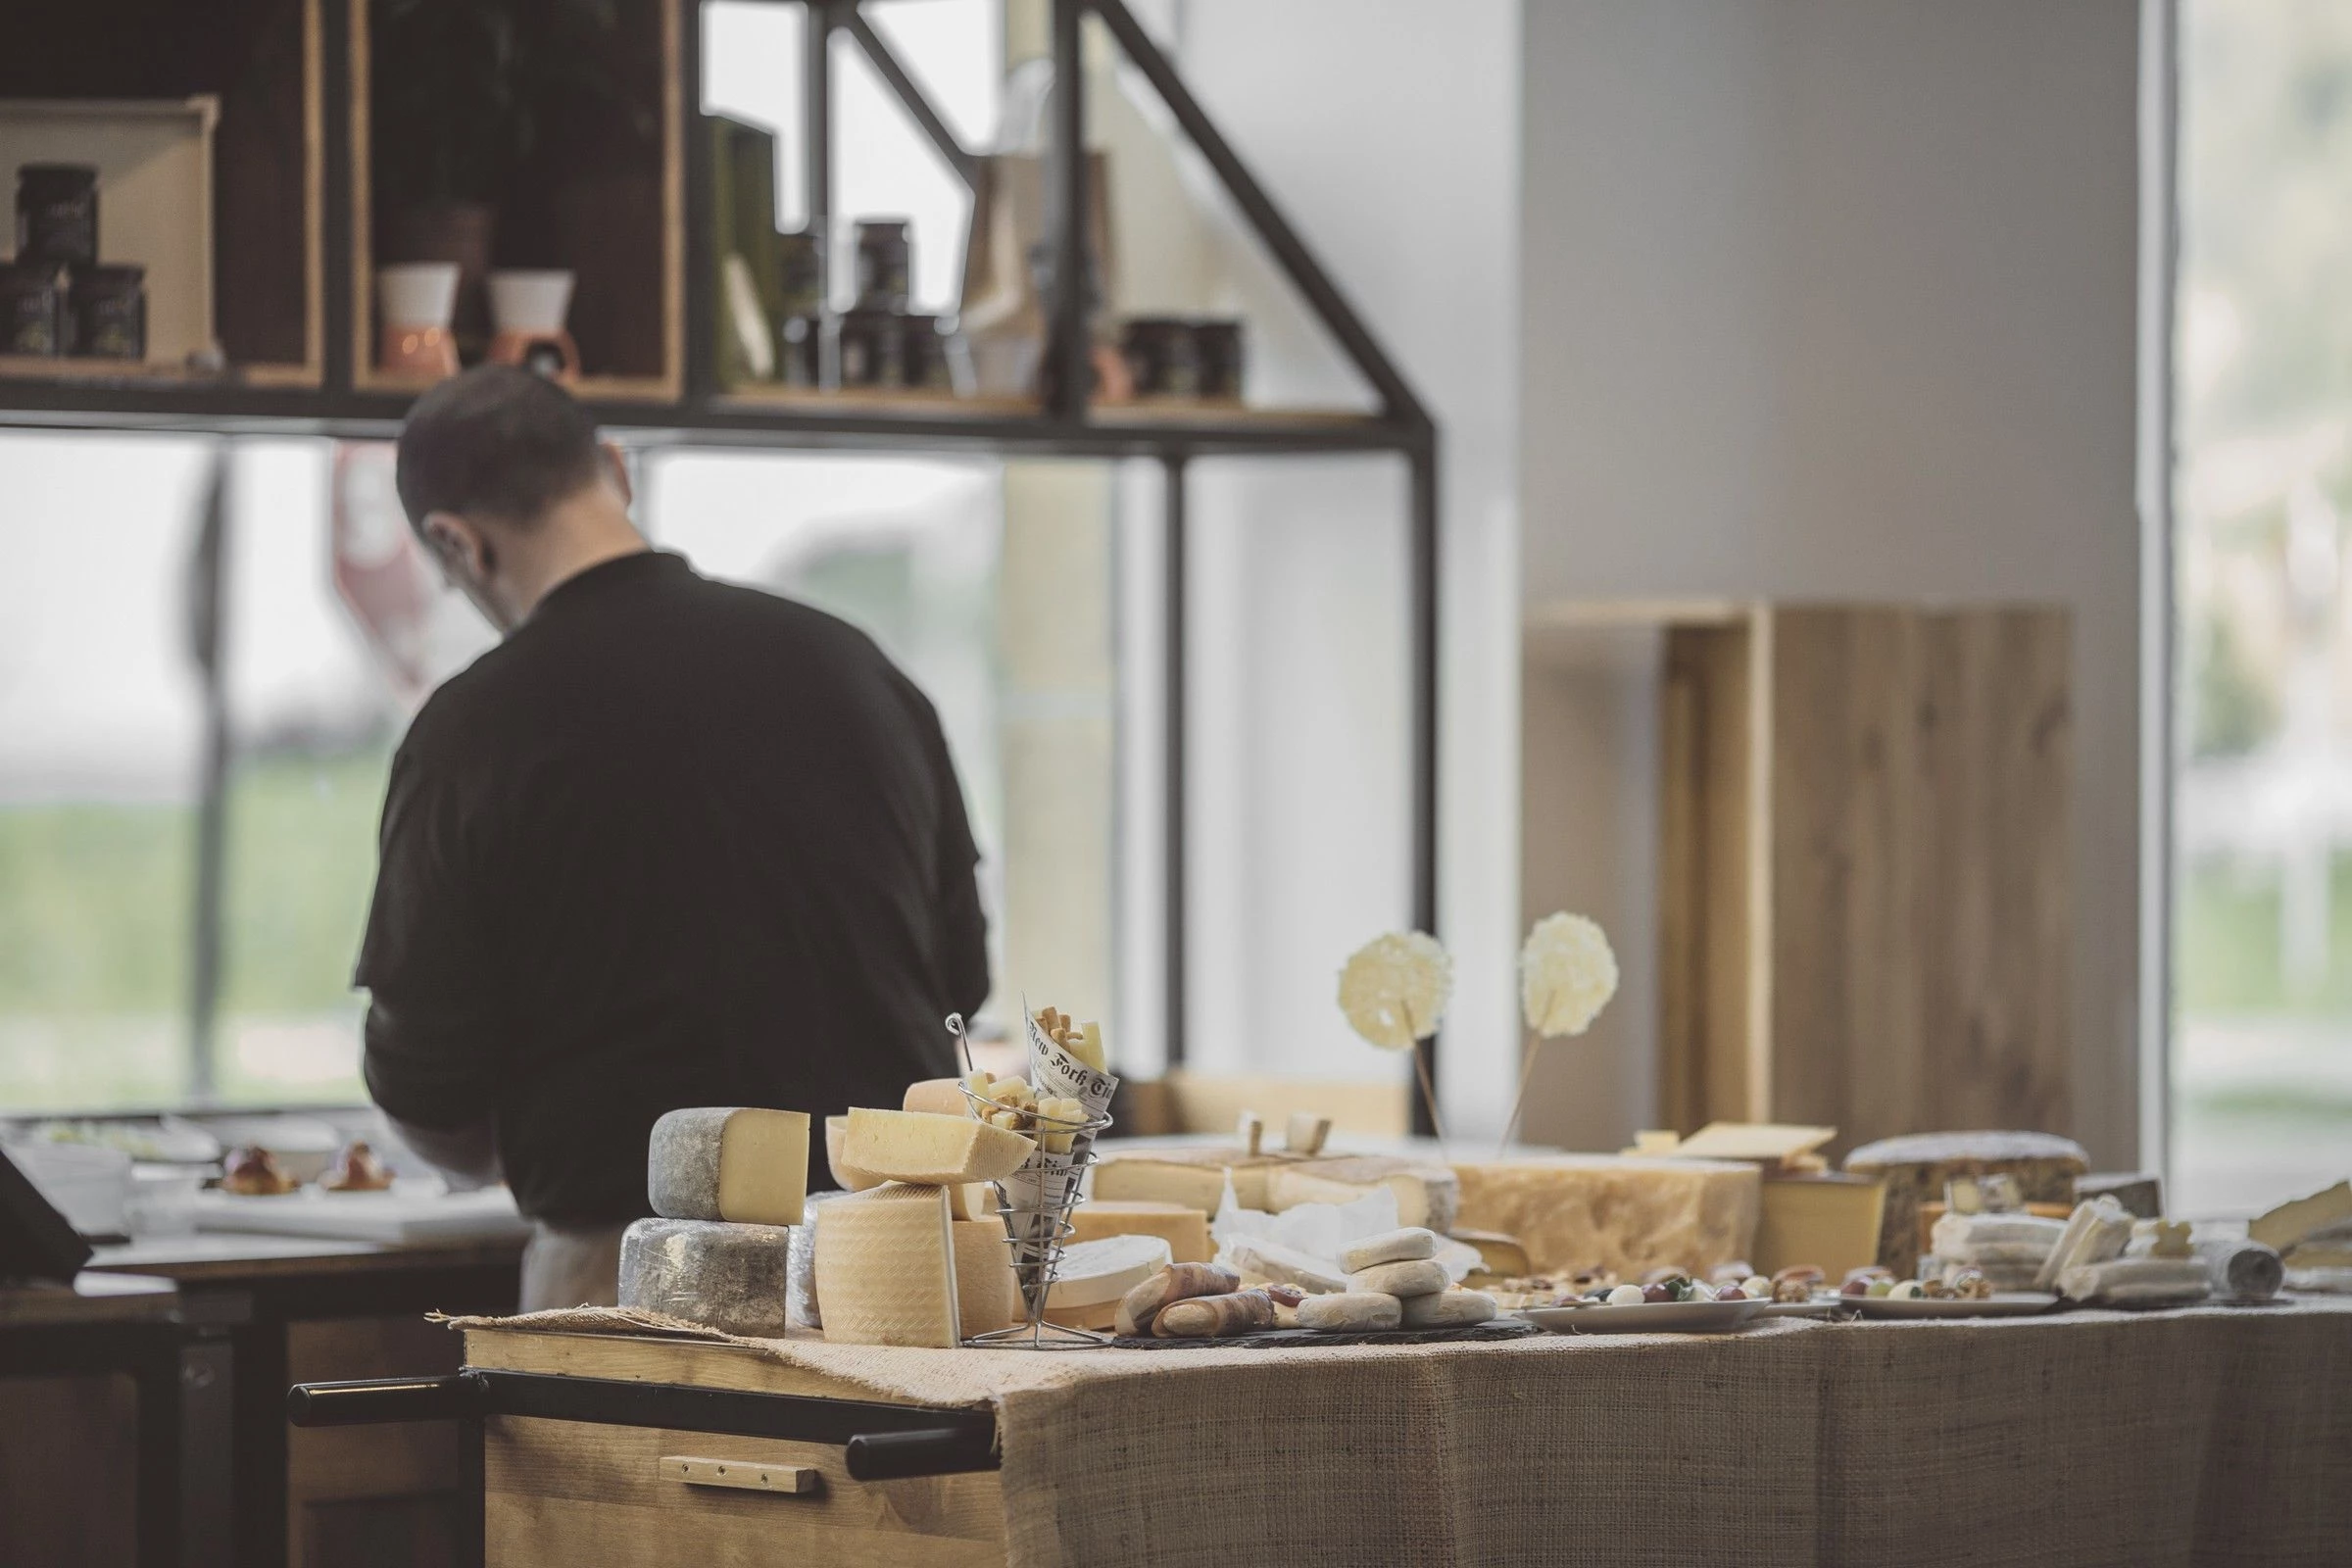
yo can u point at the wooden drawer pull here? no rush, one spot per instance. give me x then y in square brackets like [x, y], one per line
[792, 1479]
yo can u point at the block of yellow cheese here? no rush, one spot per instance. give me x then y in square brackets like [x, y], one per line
[986, 1292]
[1189, 1177]
[738, 1163]
[932, 1150]
[1427, 1195]
[1185, 1230]
[886, 1268]
[1628, 1216]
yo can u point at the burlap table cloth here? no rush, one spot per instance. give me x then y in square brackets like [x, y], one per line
[2208, 1436]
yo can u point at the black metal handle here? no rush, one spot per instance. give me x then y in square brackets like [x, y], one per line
[901, 1455]
[372, 1402]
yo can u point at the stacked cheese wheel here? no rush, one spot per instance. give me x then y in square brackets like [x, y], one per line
[728, 1184]
[1383, 1282]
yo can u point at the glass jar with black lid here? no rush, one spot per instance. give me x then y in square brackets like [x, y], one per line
[109, 308]
[57, 214]
[32, 310]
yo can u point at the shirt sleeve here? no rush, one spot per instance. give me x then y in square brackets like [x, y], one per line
[432, 1026]
[959, 936]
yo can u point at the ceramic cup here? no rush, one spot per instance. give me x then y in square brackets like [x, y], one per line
[417, 294]
[531, 301]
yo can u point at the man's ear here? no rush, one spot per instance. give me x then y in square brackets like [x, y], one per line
[454, 543]
[619, 464]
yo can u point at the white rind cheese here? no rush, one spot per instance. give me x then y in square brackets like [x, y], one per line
[729, 1162]
[729, 1277]
[1357, 1311]
[1420, 1276]
[931, 1151]
[1092, 1273]
[886, 1268]
[1427, 1196]
[1445, 1309]
[1390, 1246]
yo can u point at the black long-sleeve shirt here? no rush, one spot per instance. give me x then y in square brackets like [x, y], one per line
[672, 843]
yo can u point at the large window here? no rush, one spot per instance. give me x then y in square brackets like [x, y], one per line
[2262, 1044]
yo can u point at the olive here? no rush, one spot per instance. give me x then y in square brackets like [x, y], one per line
[1657, 1292]
[1854, 1287]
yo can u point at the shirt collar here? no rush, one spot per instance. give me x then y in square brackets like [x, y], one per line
[606, 578]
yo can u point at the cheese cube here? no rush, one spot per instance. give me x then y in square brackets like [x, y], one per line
[737, 1164]
[1185, 1230]
[886, 1268]
[930, 1151]
[732, 1278]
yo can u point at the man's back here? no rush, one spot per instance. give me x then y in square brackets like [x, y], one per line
[672, 844]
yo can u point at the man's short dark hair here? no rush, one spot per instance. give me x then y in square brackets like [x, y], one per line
[497, 440]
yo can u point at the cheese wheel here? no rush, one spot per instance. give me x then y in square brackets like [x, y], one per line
[886, 1269]
[1390, 1246]
[1095, 1272]
[931, 1151]
[1447, 1309]
[986, 1292]
[1360, 1311]
[732, 1278]
[729, 1162]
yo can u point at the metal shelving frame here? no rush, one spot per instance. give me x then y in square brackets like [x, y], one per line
[1064, 426]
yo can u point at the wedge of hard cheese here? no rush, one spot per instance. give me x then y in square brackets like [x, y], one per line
[1628, 1216]
[886, 1268]
[928, 1150]
[986, 1292]
[725, 1162]
[1427, 1195]
[1189, 1178]
[848, 1177]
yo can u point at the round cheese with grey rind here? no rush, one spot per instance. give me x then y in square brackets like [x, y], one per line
[1357, 1311]
[732, 1278]
[1390, 1246]
[1419, 1276]
[1445, 1309]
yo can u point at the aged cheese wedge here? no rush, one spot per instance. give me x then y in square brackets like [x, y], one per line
[986, 1292]
[975, 1200]
[2290, 1223]
[1185, 1230]
[732, 1278]
[886, 1269]
[1427, 1196]
[1191, 1178]
[941, 1096]
[1583, 1211]
[722, 1163]
[1095, 1272]
[932, 1150]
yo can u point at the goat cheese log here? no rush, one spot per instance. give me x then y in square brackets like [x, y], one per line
[1215, 1317]
[1177, 1282]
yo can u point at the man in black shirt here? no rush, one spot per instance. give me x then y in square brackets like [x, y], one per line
[672, 843]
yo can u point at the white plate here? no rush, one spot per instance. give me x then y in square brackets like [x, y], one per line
[1819, 1306]
[1650, 1317]
[2001, 1304]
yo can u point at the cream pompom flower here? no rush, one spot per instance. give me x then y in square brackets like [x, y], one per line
[1395, 989]
[1566, 974]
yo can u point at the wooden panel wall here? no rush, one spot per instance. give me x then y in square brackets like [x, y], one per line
[1921, 782]
[1708, 880]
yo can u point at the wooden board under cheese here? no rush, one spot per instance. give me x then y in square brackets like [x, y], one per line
[1627, 1215]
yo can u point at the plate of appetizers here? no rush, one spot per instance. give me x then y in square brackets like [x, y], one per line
[1645, 1317]
[2000, 1304]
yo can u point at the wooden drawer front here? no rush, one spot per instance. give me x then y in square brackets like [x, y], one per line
[561, 1493]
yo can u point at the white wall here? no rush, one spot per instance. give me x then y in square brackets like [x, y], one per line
[1388, 132]
[1835, 299]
